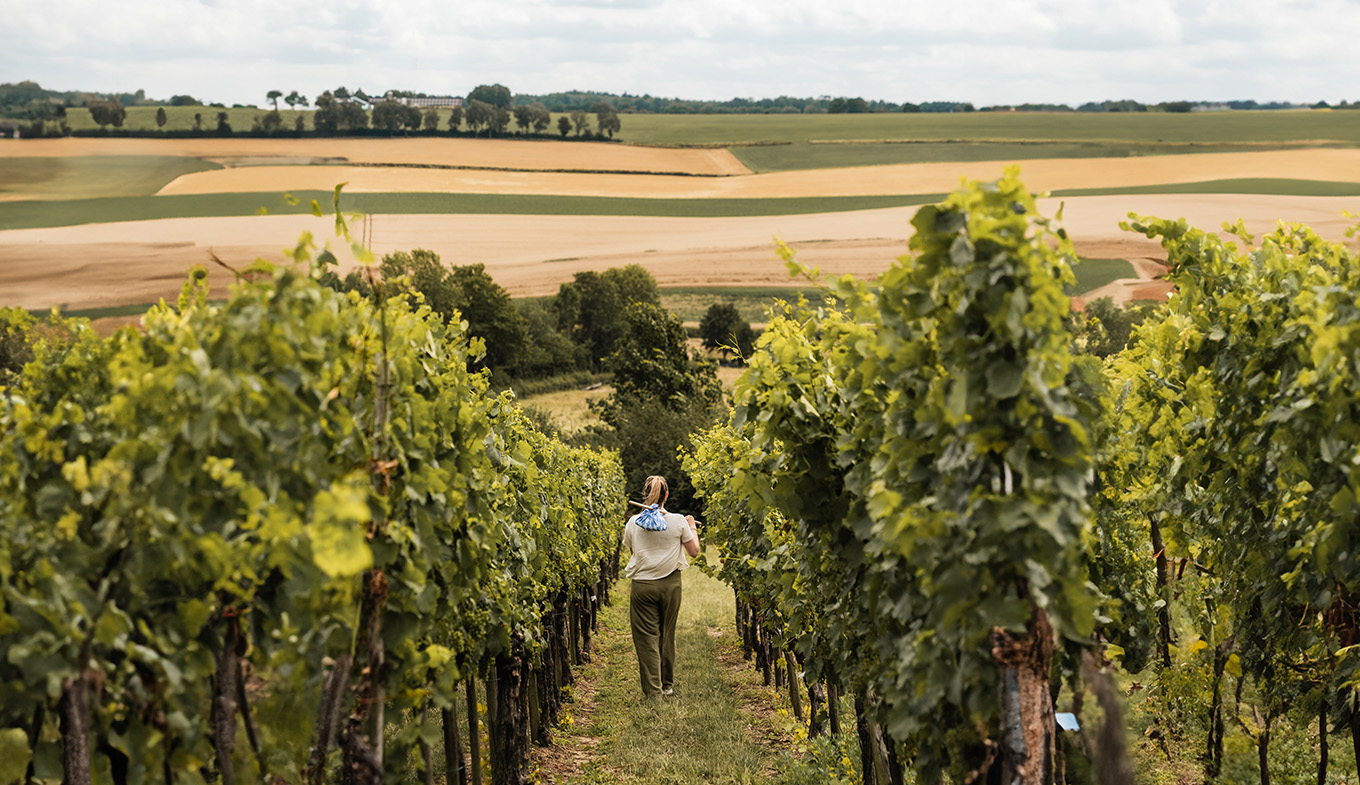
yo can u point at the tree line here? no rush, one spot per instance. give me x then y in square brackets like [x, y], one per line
[28, 102]
[608, 324]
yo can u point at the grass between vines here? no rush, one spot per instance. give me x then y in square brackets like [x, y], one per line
[718, 727]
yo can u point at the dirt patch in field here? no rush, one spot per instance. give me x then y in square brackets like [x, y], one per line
[1147, 286]
[1044, 174]
[106, 274]
[572, 750]
[134, 262]
[475, 153]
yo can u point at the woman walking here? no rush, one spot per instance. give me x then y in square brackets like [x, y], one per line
[660, 542]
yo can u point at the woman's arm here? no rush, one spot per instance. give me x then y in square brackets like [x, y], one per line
[692, 547]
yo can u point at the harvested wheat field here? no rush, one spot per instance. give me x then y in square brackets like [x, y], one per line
[110, 264]
[469, 153]
[97, 265]
[1341, 165]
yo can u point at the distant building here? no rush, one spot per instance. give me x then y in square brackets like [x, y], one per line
[8, 131]
[436, 101]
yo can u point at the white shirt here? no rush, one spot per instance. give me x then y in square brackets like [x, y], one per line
[656, 554]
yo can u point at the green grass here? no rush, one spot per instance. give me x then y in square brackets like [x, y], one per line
[1095, 273]
[1246, 185]
[702, 733]
[136, 309]
[181, 118]
[93, 176]
[36, 214]
[690, 303]
[1140, 127]
[569, 409]
[809, 155]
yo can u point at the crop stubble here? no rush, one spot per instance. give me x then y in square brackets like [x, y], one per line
[109, 264]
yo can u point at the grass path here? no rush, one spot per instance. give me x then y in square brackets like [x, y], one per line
[720, 726]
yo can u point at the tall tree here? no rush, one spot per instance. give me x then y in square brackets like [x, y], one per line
[490, 314]
[107, 113]
[660, 397]
[455, 118]
[497, 95]
[606, 118]
[480, 115]
[524, 117]
[541, 117]
[388, 116]
[590, 309]
[335, 115]
[563, 126]
[274, 96]
[722, 329]
[634, 284]
[500, 120]
[582, 122]
[160, 117]
[467, 292]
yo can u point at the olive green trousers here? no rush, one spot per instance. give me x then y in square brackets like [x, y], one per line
[653, 609]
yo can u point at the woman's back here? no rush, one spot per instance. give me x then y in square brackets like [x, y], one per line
[656, 554]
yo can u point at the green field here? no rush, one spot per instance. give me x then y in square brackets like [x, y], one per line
[1095, 273]
[181, 118]
[690, 303]
[1138, 127]
[1280, 126]
[39, 214]
[1247, 185]
[828, 155]
[783, 142]
[94, 176]
[33, 214]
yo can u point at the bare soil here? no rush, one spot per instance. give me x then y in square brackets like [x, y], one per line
[1043, 174]
[1147, 286]
[135, 262]
[112, 264]
[426, 151]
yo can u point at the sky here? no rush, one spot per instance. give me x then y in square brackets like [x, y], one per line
[984, 51]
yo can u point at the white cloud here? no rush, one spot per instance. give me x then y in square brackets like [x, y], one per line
[986, 51]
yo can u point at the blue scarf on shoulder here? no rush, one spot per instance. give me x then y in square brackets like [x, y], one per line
[651, 519]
